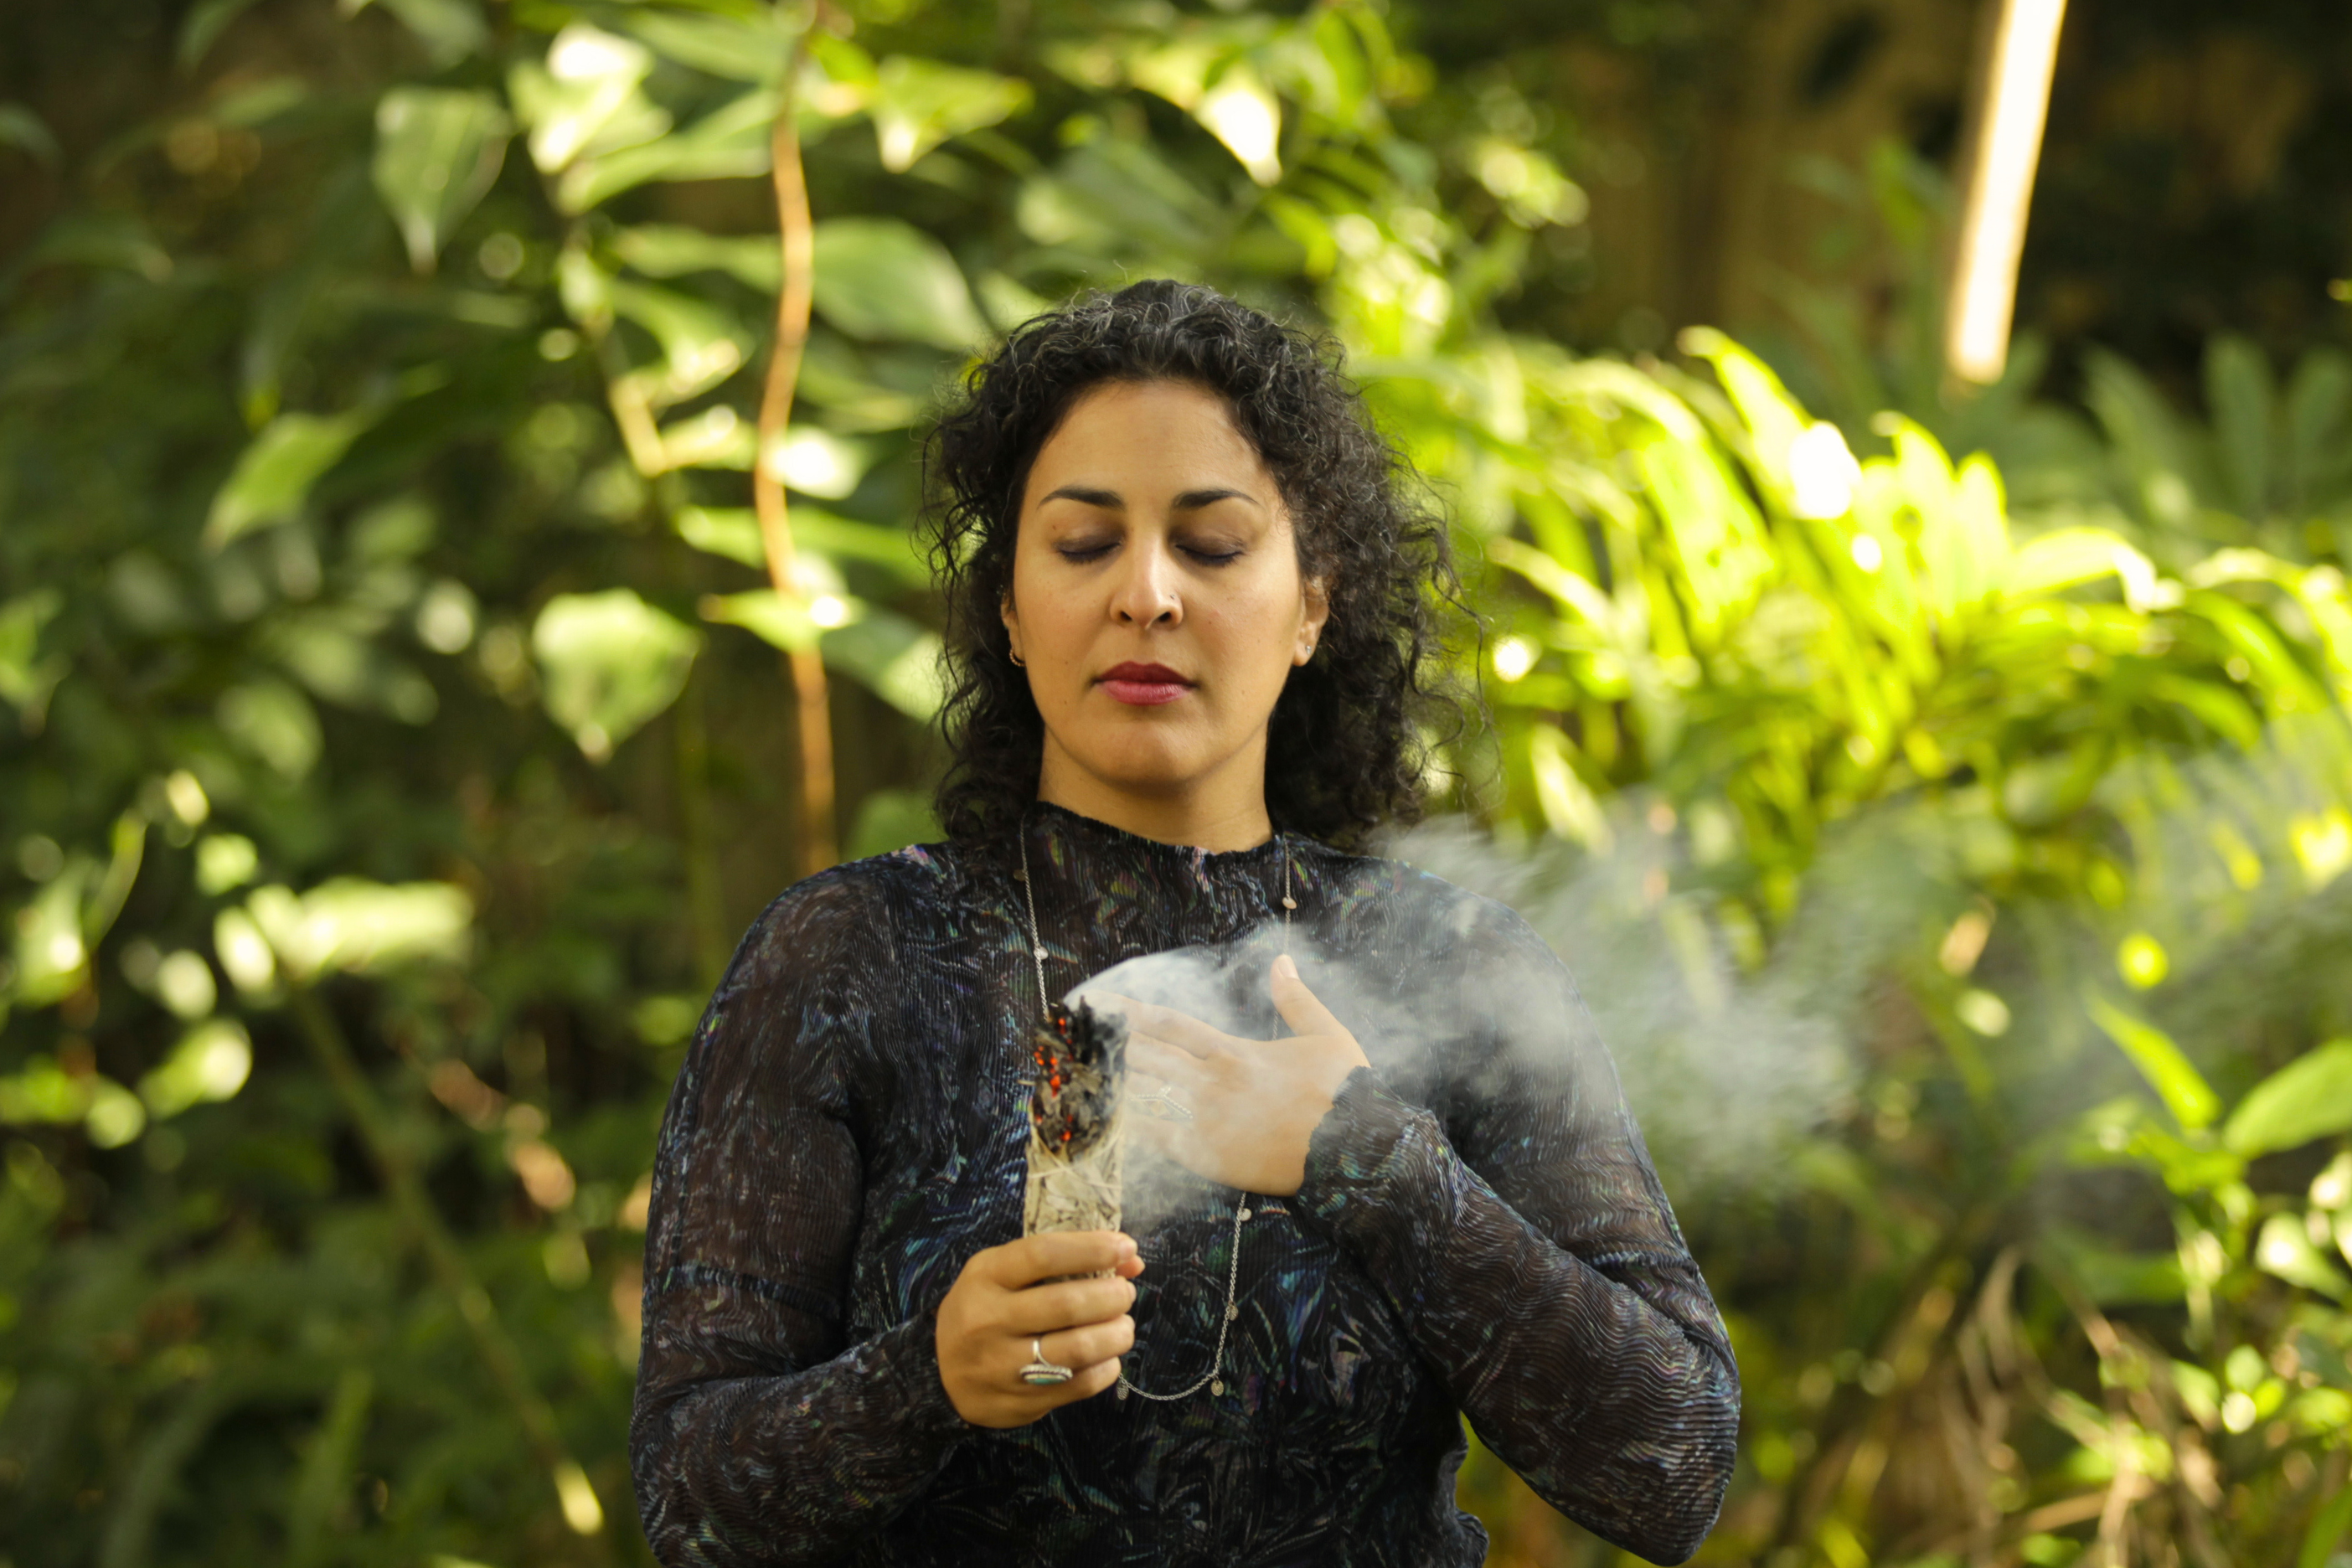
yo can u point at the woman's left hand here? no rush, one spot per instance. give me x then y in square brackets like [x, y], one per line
[1255, 1103]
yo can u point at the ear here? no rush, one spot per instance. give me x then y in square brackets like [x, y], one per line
[1318, 602]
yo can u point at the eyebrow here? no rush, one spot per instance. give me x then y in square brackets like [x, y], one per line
[1110, 500]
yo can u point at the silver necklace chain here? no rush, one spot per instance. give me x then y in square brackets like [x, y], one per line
[1213, 1379]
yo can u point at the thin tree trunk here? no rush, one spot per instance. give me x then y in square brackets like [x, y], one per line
[818, 843]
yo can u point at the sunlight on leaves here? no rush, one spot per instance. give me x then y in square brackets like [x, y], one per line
[210, 1063]
[610, 663]
[437, 153]
[881, 278]
[2180, 1086]
[917, 104]
[275, 473]
[584, 98]
[2309, 1098]
[349, 923]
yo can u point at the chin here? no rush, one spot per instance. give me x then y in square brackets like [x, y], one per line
[1146, 773]
[1148, 761]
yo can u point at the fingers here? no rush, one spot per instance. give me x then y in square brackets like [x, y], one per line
[1179, 1070]
[1297, 1005]
[1050, 1309]
[1084, 1348]
[1145, 1019]
[1052, 1255]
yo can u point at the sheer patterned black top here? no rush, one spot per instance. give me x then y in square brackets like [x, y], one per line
[1480, 1235]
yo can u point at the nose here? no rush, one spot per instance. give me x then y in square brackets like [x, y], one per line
[1146, 595]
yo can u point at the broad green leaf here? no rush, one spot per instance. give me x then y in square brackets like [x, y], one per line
[738, 49]
[717, 437]
[897, 658]
[44, 1092]
[1569, 807]
[2286, 1249]
[1977, 535]
[103, 239]
[2066, 557]
[2318, 399]
[2112, 1277]
[1716, 535]
[1242, 111]
[1771, 415]
[609, 662]
[917, 104]
[2239, 393]
[211, 1062]
[814, 461]
[350, 925]
[275, 474]
[730, 532]
[2218, 705]
[734, 532]
[729, 142]
[583, 98]
[449, 29]
[786, 621]
[2158, 454]
[701, 345]
[26, 679]
[2309, 1098]
[22, 129]
[206, 21]
[880, 278]
[127, 849]
[52, 951]
[895, 550]
[275, 723]
[437, 153]
[2277, 672]
[2180, 1086]
[674, 250]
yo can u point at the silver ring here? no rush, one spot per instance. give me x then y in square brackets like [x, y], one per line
[1041, 1372]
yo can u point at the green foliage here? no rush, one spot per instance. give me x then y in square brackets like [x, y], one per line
[394, 668]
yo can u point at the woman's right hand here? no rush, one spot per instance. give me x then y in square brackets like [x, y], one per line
[998, 1305]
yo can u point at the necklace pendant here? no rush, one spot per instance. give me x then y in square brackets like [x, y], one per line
[1122, 1388]
[1233, 1313]
[1216, 1385]
[1289, 903]
[1243, 1215]
[1038, 953]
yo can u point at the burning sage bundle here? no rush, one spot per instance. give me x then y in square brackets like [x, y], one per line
[1077, 1122]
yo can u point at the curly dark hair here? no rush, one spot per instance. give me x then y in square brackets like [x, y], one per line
[1347, 747]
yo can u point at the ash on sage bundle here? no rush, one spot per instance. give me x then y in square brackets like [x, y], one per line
[1077, 1122]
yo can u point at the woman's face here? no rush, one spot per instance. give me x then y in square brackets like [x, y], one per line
[1157, 600]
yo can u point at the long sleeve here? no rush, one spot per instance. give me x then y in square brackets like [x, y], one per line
[759, 1436]
[1524, 1239]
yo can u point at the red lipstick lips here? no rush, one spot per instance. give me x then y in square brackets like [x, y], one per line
[1143, 685]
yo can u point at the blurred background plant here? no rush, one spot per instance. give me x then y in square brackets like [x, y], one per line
[1946, 800]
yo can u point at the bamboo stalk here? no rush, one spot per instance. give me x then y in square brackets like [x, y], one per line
[405, 1186]
[796, 239]
[2010, 105]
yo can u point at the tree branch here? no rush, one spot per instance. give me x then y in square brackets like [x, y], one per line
[797, 238]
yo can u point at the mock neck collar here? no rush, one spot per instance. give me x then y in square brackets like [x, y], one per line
[1052, 821]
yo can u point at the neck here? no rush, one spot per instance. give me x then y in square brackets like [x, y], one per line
[1224, 812]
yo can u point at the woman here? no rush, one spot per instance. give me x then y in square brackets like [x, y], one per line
[1190, 637]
